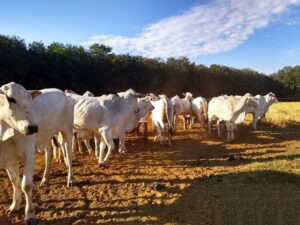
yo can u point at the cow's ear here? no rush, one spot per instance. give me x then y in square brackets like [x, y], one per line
[34, 93]
[6, 131]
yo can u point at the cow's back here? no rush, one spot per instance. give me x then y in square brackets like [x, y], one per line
[87, 114]
[221, 108]
[53, 112]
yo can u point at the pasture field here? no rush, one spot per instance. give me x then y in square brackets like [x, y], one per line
[200, 180]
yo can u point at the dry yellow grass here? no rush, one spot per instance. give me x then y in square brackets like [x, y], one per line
[284, 114]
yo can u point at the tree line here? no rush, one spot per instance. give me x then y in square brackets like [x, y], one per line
[100, 71]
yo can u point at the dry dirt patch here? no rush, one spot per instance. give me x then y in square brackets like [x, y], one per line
[200, 180]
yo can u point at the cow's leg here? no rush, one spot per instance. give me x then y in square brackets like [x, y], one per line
[229, 127]
[67, 148]
[218, 128]
[63, 150]
[74, 143]
[200, 119]
[102, 147]
[48, 161]
[169, 132]
[255, 118]
[80, 146]
[108, 138]
[184, 123]
[27, 186]
[55, 146]
[55, 152]
[14, 176]
[155, 125]
[191, 122]
[209, 127]
[122, 148]
[165, 133]
[233, 128]
[159, 133]
[59, 155]
[88, 145]
[175, 122]
[97, 143]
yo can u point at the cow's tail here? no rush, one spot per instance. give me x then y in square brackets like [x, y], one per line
[169, 111]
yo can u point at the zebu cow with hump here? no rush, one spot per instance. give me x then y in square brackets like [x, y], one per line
[110, 117]
[182, 107]
[162, 118]
[82, 135]
[54, 114]
[199, 106]
[17, 119]
[231, 110]
[263, 104]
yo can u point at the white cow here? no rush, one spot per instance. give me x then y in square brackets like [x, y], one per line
[182, 107]
[162, 118]
[54, 114]
[263, 104]
[230, 109]
[109, 117]
[16, 121]
[81, 135]
[199, 105]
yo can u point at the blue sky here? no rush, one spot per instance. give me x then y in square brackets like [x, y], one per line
[259, 34]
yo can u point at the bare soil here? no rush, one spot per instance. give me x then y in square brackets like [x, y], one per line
[200, 180]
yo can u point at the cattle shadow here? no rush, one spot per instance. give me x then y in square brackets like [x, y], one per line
[262, 197]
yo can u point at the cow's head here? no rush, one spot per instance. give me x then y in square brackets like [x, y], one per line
[16, 112]
[271, 98]
[187, 95]
[152, 96]
[144, 106]
[251, 104]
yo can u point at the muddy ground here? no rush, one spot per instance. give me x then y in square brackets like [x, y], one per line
[200, 180]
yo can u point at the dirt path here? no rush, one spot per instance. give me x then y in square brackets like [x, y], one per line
[199, 180]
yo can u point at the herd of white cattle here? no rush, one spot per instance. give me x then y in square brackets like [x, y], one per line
[42, 120]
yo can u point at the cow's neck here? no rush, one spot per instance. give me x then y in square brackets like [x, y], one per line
[240, 104]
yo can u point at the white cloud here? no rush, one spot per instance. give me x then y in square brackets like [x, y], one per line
[292, 52]
[215, 27]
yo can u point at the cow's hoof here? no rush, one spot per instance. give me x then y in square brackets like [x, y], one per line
[31, 221]
[43, 183]
[103, 166]
[11, 210]
[70, 184]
